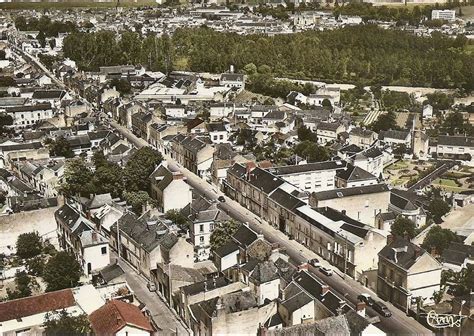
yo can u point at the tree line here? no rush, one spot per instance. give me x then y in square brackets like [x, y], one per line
[363, 54]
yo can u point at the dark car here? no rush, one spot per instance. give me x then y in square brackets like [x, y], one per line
[314, 262]
[381, 308]
[366, 298]
[221, 199]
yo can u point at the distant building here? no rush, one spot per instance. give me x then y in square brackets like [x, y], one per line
[232, 80]
[443, 14]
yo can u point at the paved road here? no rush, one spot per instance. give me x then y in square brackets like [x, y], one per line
[160, 312]
[443, 168]
[399, 323]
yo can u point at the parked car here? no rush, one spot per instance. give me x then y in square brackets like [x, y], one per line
[381, 308]
[326, 271]
[314, 262]
[221, 199]
[366, 298]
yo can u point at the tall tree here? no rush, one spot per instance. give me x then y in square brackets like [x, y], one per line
[23, 286]
[139, 168]
[61, 271]
[77, 179]
[403, 227]
[438, 208]
[439, 239]
[28, 245]
[223, 233]
[61, 323]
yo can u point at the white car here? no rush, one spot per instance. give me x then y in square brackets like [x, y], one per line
[326, 271]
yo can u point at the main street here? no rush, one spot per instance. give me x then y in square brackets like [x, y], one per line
[399, 323]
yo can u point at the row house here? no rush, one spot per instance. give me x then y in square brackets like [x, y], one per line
[361, 137]
[76, 234]
[362, 203]
[158, 132]
[29, 115]
[52, 97]
[194, 153]
[346, 243]
[140, 124]
[223, 158]
[328, 132]
[310, 177]
[169, 189]
[395, 138]
[406, 272]
[44, 175]
[455, 147]
[145, 241]
[16, 151]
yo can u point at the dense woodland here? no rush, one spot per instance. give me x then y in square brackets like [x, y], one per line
[362, 54]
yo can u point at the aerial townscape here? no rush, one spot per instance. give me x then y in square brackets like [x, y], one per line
[264, 168]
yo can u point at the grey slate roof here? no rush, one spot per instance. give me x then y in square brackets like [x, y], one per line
[296, 302]
[304, 168]
[449, 140]
[148, 236]
[345, 192]
[111, 272]
[405, 256]
[353, 173]
[457, 253]
[264, 272]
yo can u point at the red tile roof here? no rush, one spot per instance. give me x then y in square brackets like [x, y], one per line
[114, 315]
[15, 309]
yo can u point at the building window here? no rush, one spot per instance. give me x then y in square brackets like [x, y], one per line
[103, 250]
[201, 228]
[201, 239]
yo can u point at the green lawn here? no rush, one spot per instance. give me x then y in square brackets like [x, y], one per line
[445, 182]
[398, 165]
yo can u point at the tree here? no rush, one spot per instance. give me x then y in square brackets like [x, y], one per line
[137, 200]
[455, 124]
[439, 239]
[250, 69]
[61, 147]
[22, 283]
[385, 122]
[222, 233]
[312, 152]
[108, 178]
[62, 323]
[178, 218]
[121, 85]
[28, 245]
[305, 134]
[438, 208]
[62, 271]
[400, 149]
[403, 227]
[77, 179]
[5, 120]
[326, 103]
[3, 54]
[35, 266]
[140, 166]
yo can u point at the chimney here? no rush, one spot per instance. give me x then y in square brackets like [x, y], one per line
[94, 236]
[249, 167]
[417, 252]
[389, 239]
[361, 308]
[303, 266]
[324, 289]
